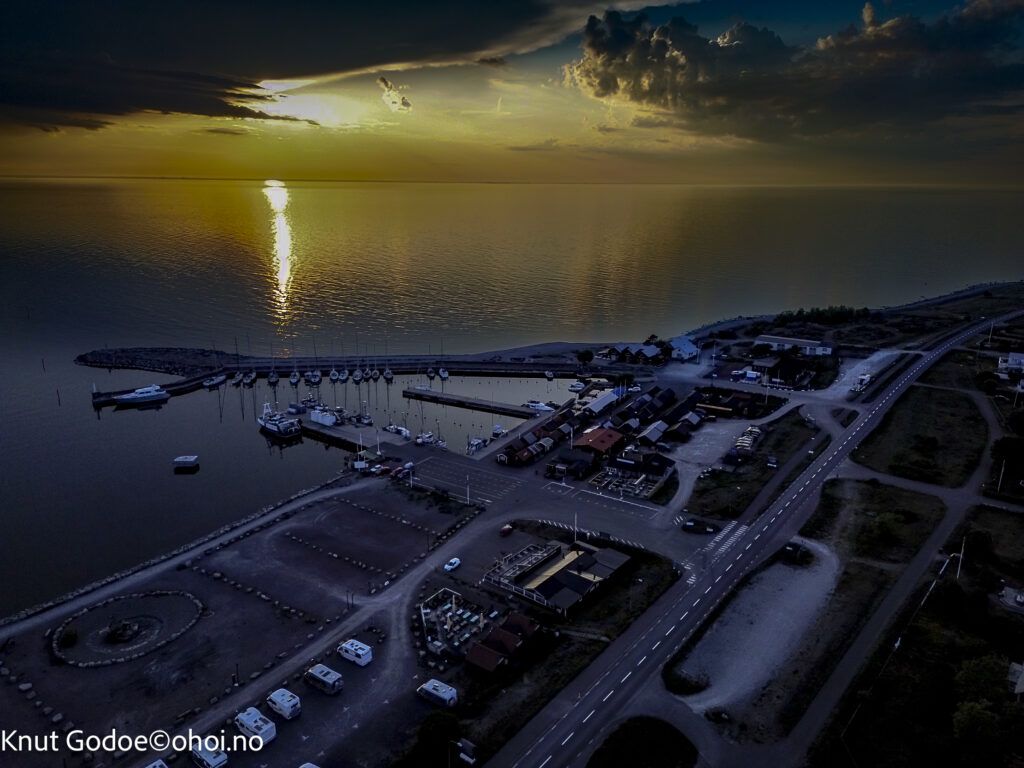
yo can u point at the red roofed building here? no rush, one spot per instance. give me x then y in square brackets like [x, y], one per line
[600, 441]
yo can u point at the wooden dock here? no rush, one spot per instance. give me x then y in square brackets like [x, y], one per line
[350, 437]
[473, 403]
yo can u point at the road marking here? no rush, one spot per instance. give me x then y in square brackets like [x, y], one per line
[626, 677]
[546, 759]
[717, 579]
[568, 737]
[758, 536]
[696, 602]
[685, 614]
[590, 715]
[655, 646]
[728, 568]
[707, 590]
[670, 630]
[749, 545]
[641, 661]
[609, 695]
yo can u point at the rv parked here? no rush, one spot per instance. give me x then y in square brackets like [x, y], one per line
[355, 651]
[208, 758]
[253, 723]
[285, 703]
[324, 678]
[437, 692]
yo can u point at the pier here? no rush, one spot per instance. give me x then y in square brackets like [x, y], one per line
[473, 403]
[351, 437]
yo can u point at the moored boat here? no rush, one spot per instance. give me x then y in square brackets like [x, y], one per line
[293, 379]
[315, 378]
[425, 438]
[549, 375]
[278, 424]
[388, 375]
[273, 378]
[215, 381]
[334, 375]
[443, 373]
[249, 379]
[430, 373]
[537, 405]
[151, 394]
[186, 462]
[357, 376]
[237, 379]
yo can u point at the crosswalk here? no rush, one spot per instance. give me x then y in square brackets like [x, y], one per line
[586, 532]
[714, 550]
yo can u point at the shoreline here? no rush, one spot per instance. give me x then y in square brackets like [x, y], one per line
[541, 350]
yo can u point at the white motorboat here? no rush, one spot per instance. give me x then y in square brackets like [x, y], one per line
[237, 379]
[343, 376]
[278, 424]
[388, 375]
[537, 405]
[498, 431]
[476, 444]
[424, 388]
[357, 376]
[315, 378]
[374, 374]
[151, 394]
[577, 386]
[249, 379]
[549, 375]
[443, 373]
[273, 378]
[430, 373]
[214, 381]
[425, 438]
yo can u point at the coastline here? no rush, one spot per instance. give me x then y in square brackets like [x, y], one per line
[538, 353]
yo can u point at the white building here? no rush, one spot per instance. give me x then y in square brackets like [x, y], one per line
[1013, 362]
[683, 348]
[810, 347]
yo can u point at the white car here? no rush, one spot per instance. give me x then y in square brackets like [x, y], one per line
[635, 388]
[452, 564]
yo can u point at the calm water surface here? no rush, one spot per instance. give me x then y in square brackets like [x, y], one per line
[372, 269]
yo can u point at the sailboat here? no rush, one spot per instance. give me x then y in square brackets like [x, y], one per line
[272, 377]
[443, 373]
[374, 374]
[388, 375]
[334, 375]
[430, 373]
[294, 378]
[357, 375]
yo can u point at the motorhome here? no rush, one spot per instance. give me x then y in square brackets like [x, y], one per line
[208, 758]
[285, 703]
[324, 678]
[253, 723]
[157, 764]
[439, 693]
[355, 651]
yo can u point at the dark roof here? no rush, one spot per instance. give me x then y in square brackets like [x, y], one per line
[503, 641]
[520, 624]
[485, 658]
[611, 557]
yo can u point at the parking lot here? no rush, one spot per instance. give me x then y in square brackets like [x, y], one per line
[485, 485]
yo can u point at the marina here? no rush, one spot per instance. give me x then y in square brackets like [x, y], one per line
[474, 403]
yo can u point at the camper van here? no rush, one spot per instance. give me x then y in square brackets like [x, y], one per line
[323, 677]
[437, 692]
[285, 703]
[157, 764]
[355, 651]
[253, 723]
[208, 758]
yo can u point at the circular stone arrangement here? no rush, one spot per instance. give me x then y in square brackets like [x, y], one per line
[125, 627]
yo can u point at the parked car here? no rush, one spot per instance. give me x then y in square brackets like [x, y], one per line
[698, 526]
[452, 564]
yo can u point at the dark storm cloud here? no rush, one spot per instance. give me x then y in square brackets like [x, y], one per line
[492, 61]
[901, 73]
[547, 145]
[226, 131]
[82, 63]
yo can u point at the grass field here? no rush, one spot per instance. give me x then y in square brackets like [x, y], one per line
[958, 370]
[941, 697]
[644, 742]
[933, 435]
[725, 495]
[877, 521]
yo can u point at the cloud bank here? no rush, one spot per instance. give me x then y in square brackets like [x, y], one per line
[900, 74]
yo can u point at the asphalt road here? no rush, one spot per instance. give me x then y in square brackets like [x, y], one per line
[566, 731]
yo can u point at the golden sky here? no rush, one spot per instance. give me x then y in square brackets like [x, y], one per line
[548, 97]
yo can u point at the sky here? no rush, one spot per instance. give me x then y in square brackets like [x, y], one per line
[702, 92]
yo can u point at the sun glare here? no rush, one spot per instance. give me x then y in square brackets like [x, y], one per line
[277, 196]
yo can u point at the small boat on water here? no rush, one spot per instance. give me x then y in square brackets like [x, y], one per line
[374, 374]
[315, 378]
[430, 373]
[278, 424]
[249, 379]
[343, 376]
[273, 378]
[186, 462]
[425, 438]
[357, 376]
[152, 394]
[215, 381]
[577, 386]
[537, 405]
[549, 375]
[397, 430]
[388, 375]
[443, 373]
[498, 431]
[293, 379]
[334, 375]
[424, 388]
[236, 380]
[476, 444]
[367, 373]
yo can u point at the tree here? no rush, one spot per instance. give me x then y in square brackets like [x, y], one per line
[585, 356]
[984, 677]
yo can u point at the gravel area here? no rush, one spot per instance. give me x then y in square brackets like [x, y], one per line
[759, 630]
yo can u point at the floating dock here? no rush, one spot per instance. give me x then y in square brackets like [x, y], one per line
[473, 403]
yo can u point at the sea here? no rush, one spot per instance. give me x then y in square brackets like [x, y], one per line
[374, 269]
